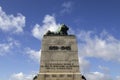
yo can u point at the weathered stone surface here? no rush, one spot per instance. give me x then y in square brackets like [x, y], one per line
[59, 58]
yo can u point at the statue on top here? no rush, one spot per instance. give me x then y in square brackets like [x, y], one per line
[61, 31]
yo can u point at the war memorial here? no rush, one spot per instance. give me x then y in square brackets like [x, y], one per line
[59, 57]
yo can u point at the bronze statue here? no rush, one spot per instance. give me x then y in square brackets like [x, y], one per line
[61, 31]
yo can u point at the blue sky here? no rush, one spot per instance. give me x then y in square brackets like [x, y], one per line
[94, 22]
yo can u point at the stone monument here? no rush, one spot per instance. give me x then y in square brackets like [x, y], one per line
[59, 57]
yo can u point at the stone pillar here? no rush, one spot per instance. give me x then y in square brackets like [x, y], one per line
[59, 58]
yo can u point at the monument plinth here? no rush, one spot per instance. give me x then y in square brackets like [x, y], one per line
[59, 58]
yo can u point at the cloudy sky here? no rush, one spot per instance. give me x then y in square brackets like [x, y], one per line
[95, 23]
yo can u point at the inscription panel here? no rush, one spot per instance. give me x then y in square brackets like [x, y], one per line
[64, 47]
[60, 66]
[59, 47]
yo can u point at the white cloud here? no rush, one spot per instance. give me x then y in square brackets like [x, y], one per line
[84, 65]
[103, 46]
[4, 48]
[34, 55]
[67, 7]
[8, 46]
[11, 23]
[49, 23]
[21, 76]
[104, 69]
[97, 76]
[118, 78]
[85, 70]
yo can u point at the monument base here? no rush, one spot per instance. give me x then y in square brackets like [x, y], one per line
[59, 76]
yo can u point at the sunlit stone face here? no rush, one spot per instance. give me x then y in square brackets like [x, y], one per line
[59, 58]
